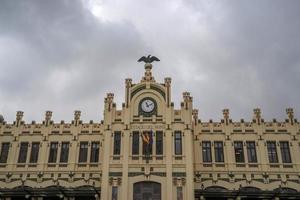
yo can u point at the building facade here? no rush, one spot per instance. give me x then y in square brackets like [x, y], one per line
[150, 150]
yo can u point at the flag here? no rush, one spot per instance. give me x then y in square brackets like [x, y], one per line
[147, 137]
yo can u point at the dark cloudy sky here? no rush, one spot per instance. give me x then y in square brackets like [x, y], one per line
[64, 55]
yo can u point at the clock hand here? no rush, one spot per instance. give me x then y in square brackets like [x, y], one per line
[147, 104]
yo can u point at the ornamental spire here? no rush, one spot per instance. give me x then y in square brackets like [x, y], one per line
[148, 66]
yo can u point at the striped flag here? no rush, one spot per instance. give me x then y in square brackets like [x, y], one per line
[147, 137]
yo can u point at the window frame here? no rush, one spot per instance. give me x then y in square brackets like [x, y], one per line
[23, 151]
[53, 152]
[219, 150]
[239, 151]
[83, 151]
[5, 146]
[159, 143]
[251, 151]
[117, 143]
[64, 152]
[135, 147]
[272, 152]
[285, 152]
[34, 154]
[206, 151]
[178, 143]
[95, 152]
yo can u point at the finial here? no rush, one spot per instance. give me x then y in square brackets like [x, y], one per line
[290, 113]
[257, 115]
[77, 114]
[226, 115]
[19, 117]
[48, 115]
[195, 115]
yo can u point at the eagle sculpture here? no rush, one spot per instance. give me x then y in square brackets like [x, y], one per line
[148, 59]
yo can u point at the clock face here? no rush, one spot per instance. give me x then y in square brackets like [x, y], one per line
[147, 105]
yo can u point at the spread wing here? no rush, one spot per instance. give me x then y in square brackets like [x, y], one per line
[142, 59]
[153, 58]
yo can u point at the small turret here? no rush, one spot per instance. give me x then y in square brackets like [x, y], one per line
[290, 113]
[48, 116]
[109, 101]
[257, 115]
[226, 115]
[77, 114]
[19, 117]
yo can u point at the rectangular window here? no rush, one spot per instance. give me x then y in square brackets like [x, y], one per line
[95, 152]
[135, 143]
[219, 151]
[239, 152]
[285, 152]
[179, 193]
[34, 154]
[23, 152]
[159, 143]
[251, 152]
[117, 143]
[64, 152]
[4, 152]
[114, 193]
[206, 151]
[53, 152]
[178, 143]
[83, 151]
[272, 152]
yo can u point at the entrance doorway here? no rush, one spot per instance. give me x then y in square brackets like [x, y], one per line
[147, 190]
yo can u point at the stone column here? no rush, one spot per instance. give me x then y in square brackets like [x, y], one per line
[126, 149]
[169, 157]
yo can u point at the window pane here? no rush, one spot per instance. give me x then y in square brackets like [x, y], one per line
[251, 152]
[178, 143]
[23, 152]
[135, 143]
[83, 150]
[114, 191]
[285, 152]
[239, 151]
[53, 152]
[219, 152]
[117, 143]
[206, 151]
[179, 193]
[4, 152]
[159, 143]
[272, 152]
[34, 152]
[95, 152]
[64, 153]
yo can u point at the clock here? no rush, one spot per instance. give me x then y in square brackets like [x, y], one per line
[147, 106]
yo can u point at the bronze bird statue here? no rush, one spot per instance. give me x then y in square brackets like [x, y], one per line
[148, 59]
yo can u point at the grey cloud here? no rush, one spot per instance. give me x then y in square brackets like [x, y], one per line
[235, 54]
[60, 56]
